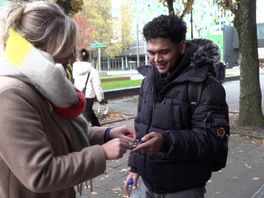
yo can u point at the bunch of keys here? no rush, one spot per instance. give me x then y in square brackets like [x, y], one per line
[135, 143]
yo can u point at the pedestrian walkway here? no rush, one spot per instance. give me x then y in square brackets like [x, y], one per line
[243, 176]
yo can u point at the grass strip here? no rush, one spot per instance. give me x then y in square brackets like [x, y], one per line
[121, 84]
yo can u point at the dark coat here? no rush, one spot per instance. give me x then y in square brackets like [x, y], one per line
[191, 138]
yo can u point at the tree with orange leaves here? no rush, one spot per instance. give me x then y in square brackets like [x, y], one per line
[84, 32]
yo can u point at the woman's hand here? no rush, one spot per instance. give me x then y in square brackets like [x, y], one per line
[115, 148]
[124, 133]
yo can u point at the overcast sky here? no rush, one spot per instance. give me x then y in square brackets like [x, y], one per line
[260, 15]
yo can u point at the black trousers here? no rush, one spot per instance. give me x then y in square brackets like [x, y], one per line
[89, 113]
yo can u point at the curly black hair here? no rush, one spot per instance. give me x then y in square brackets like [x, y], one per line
[165, 26]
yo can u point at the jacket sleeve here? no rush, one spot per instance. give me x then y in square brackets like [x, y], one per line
[132, 156]
[210, 124]
[27, 151]
[96, 135]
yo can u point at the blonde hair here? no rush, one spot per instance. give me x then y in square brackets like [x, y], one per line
[43, 24]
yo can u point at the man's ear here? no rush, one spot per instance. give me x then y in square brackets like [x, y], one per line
[182, 46]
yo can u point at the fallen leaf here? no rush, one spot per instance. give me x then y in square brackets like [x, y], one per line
[124, 170]
[94, 193]
[117, 189]
[248, 166]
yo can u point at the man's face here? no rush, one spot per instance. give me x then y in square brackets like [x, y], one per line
[164, 54]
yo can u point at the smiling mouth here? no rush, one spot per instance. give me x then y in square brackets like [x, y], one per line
[161, 66]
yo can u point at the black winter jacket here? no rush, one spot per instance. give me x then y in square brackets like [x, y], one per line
[191, 139]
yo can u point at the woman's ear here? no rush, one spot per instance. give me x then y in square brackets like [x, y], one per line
[182, 46]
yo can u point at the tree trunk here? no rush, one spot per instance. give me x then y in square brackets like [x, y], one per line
[250, 93]
[170, 7]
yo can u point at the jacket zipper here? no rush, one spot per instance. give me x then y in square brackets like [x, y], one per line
[149, 126]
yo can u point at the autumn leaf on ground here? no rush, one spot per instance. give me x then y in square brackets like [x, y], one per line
[117, 189]
[248, 166]
[94, 193]
[124, 170]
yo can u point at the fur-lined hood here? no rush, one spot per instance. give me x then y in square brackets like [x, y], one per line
[208, 53]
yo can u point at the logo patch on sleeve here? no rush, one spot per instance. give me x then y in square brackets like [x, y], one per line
[221, 132]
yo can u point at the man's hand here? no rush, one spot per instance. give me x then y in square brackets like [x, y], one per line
[135, 177]
[151, 143]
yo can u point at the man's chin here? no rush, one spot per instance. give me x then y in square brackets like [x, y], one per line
[162, 71]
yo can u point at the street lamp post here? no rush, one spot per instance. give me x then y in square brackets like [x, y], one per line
[191, 24]
[137, 48]
[98, 45]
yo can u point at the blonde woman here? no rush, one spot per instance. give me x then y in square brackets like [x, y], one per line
[45, 145]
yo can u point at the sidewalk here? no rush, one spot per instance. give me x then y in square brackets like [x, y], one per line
[243, 176]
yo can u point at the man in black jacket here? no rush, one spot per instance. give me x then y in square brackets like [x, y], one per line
[180, 139]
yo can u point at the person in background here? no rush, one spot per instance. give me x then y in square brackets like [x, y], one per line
[86, 77]
[179, 139]
[45, 144]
